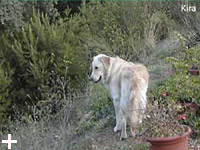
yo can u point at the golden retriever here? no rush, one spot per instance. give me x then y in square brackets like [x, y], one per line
[127, 83]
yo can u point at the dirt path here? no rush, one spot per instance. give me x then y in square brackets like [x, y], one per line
[106, 139]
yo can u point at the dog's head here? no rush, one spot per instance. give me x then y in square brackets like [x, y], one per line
[100, 65]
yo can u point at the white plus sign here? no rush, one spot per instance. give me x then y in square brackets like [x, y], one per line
[9, 141]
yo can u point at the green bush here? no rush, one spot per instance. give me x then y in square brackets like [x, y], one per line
[15, 14]
[117, 28]
[100, 110]
[183, 88]
[101, 102]
[123, 28]
[5, 101]
[42, 50]
[182, 85]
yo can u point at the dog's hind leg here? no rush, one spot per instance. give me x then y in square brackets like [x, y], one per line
[123, 127]
[116, 102]
[117, 114]
[124, 104]
[134, 114]
[133, 123]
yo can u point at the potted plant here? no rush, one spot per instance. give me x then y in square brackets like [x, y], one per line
[161, 128]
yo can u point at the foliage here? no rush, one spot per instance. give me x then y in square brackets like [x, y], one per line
[187, 23]
[41, 50]
[5, 101]
[161, 120]
[46, 130]
[15, 14]
[100, 110]
[156, 24]
[120, 28]
[182, 87]
[11, 15]
[101, 103]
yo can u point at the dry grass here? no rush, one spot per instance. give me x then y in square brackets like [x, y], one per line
[48, 127]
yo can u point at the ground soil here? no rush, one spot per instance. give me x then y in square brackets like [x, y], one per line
[106, 139]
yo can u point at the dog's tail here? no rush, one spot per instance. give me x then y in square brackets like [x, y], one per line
[139, 104]
[142, 95]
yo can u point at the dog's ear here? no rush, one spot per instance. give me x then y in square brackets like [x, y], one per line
[106, 62]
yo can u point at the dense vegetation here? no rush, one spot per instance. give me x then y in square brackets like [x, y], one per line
[46, 49]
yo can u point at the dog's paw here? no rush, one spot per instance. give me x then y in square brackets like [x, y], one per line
[116, 129]
[133, 134]
[123, 137]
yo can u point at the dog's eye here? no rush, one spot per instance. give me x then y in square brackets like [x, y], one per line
[96, 67]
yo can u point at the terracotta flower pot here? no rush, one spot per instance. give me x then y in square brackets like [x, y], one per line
[179, 142]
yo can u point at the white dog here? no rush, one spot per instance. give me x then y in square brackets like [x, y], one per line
[127, 83]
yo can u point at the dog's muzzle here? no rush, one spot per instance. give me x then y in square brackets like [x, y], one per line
[91, 79]
[98, 80]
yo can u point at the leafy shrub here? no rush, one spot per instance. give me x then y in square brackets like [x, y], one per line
[182, 85]
[120, 28]
[127, 29]
[183, 88]
[41, 50]
[100, 110]
[11, 16]
[15, 14]
[5, 101]
[156, 28]
[101, 103]
[187, 24]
